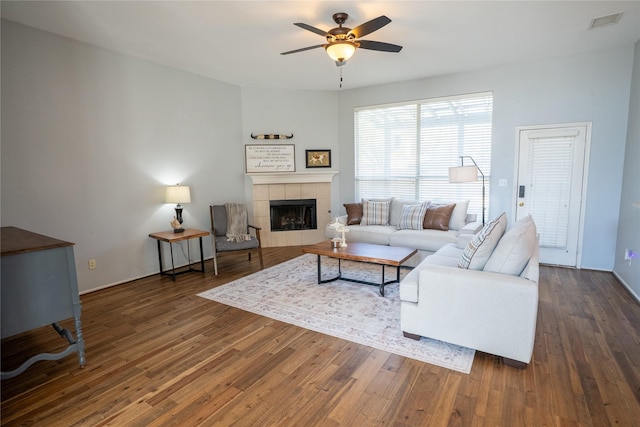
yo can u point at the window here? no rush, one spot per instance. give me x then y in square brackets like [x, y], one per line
[405, 150]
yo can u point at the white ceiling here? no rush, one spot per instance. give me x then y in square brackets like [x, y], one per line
[239, 42]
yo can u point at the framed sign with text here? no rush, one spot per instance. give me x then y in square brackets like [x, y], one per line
[270, 158]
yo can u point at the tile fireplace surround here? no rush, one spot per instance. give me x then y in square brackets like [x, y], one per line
[291, 186]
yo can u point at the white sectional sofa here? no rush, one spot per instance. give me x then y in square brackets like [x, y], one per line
[482, 294]
[473, 285]
[392, 233]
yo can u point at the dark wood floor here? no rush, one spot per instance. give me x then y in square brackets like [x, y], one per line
[159, 355]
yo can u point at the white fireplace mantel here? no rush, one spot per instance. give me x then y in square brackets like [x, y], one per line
[292, 177]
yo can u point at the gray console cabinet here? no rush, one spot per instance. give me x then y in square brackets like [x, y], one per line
[39, 287]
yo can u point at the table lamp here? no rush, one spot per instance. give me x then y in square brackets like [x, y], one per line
[178, 194]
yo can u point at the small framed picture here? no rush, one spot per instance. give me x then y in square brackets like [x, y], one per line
[318, 158]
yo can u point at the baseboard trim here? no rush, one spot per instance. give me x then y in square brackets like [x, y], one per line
[628, 288]
[109, 285]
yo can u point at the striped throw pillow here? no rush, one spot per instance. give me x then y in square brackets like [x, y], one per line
[412, 217]
[375, 213]
[479, 249]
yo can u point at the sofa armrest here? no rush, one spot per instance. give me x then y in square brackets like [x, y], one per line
[471, 228]
[466, 233]
[491, 312]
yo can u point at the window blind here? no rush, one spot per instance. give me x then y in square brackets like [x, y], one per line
[550, 169]
[405, 150]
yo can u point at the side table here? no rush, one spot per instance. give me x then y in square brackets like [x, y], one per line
[171, 237]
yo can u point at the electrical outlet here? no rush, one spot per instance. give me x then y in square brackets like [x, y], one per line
[502, 182]
[92, 264]
[629, 255]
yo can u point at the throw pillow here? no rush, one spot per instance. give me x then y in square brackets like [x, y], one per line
[515, 249]
[354, 213]
[437, 217]
[459, 214]
[479, 249]
[383, 199]
[412, 217]
[375, 213]
[395, 209]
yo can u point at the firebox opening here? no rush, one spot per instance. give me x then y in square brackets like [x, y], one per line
[293, 215]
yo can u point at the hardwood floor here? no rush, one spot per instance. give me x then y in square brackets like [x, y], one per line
[159, 355]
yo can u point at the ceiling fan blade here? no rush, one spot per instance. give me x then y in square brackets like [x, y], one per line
[302, 49]
[312, 29]
[370, 26]
[385, 47]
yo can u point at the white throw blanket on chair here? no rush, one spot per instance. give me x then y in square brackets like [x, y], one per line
[237, 222]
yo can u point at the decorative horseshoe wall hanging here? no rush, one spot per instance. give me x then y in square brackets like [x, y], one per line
[271, 136]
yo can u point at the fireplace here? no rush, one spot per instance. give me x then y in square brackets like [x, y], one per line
[291, 186]
[287, 215]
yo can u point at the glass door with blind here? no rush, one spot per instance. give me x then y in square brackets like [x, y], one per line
[550, 187]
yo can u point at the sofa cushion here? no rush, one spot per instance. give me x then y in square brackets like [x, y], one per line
[448, 256]
[479, 249]
[375, 234]
[412, 217]
[375, 213]
[395, 210]
[459, 214]
[424, 240]
[437, 217]
[223, 244]
[514, 250]
[354, 213]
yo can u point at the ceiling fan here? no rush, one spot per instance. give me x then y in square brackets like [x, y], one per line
[342, 42]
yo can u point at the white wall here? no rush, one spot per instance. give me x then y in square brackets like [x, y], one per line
[90, 138]
[590, 87]
[310, 115]
[629, 223]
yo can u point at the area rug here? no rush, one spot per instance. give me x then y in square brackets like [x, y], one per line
[289, 292]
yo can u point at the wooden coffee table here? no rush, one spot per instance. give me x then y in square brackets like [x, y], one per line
[362, 252]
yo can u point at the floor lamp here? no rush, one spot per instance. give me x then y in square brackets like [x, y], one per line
[467, 174]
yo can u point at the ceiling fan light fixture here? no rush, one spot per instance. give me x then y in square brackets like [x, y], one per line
[340, 51]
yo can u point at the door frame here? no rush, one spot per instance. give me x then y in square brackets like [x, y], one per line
[585, 175]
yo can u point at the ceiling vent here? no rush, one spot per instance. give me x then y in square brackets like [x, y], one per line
[605, 20]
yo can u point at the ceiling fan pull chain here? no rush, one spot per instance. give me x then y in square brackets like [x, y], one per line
[340, 77]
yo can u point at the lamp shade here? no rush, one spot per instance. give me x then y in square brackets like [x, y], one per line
[178, 194]
[341, 50]
[463, 174]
